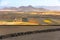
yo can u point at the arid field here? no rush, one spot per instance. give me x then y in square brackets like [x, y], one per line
[29, 18]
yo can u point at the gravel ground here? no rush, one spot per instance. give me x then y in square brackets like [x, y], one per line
[38, 36]
[14, 29]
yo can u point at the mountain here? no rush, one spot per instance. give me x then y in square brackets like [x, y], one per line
[10, 8]
[53, 8]
[30, 8]
[26, 8]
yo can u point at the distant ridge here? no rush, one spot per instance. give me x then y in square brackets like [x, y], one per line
[53, 8]
[25, 9]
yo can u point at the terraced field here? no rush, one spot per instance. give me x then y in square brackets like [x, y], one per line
[29, 19]
[39, 21]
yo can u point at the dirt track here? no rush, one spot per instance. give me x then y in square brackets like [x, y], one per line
[37, 36]
[14, 29]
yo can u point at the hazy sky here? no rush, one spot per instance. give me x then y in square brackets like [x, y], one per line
[29, 2]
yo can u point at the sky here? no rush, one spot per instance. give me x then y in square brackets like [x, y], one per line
[17, 3]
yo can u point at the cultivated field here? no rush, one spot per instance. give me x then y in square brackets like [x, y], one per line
[28, 18]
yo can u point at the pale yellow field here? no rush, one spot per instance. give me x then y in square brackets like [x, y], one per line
[17, 23]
